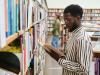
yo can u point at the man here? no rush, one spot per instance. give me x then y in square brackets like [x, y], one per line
[77, 55]
[56, 31]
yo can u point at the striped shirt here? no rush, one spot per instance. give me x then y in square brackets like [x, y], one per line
[78, 54]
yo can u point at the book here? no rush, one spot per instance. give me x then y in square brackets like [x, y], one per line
[2, 24]
[53, 52]
[9, 31]
[13, 4]
[29, 14]
[17, 15]
[6, 15]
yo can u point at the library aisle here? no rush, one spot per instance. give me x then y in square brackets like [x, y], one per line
[52, 67]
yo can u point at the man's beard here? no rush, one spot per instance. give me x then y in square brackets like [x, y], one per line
[75, 26]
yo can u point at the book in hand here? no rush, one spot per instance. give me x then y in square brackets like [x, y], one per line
[53, 52]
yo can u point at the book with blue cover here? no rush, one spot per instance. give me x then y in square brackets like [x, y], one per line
[17, 15]
[9, 32]
[13, 16]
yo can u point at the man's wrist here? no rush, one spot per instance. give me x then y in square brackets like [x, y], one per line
[59, 57]
[63, 57]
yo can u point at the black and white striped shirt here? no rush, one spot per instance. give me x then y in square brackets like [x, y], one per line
[78, 54]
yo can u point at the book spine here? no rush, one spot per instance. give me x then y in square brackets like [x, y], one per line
[17, 15]
[9, 32]
[13, 16]
[2, 24]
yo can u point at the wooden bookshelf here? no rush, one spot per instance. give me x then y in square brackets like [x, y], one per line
[26, 32]
[16, 35]
[12, 38]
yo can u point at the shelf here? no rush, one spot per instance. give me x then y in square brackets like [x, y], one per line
[13, 47]
[95, 37]
[92, 30]
[10, 39]
[14, 36]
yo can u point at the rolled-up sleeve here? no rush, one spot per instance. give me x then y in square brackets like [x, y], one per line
[72, 66]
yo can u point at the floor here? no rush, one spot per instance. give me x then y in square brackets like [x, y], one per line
[52, 67]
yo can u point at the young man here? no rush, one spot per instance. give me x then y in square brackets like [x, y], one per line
[77, 55]
[56, 31]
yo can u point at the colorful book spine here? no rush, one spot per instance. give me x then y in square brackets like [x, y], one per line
[13, 16]
[9, 32]
[29, 14]
[21, 16]
[6, 15]
[2, 24]
[17, 15]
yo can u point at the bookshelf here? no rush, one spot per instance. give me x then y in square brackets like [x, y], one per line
[22, 24]
[89, 15]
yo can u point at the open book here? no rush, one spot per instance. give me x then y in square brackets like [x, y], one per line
[53, 52]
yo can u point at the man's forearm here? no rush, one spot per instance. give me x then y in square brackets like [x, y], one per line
[72, 66]
[53, 52]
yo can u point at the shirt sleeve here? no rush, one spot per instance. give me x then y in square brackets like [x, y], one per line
[83, 56]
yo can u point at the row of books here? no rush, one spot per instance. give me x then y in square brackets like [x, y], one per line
[39, 59]
[20, 50]
[15, 15]
[27, 49]
[92, 10]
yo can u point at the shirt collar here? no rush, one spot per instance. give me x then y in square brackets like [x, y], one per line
[77, 31]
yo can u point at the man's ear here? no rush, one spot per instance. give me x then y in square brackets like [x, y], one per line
[78, 17]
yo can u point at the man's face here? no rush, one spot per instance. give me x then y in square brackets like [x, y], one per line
[70, 21]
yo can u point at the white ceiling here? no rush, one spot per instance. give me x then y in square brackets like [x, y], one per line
[63, 3]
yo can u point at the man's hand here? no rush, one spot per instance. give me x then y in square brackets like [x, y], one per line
[53, 52]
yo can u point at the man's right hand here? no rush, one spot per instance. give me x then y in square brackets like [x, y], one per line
[53, 52]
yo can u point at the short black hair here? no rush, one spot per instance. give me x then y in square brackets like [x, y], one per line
[74, 10]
